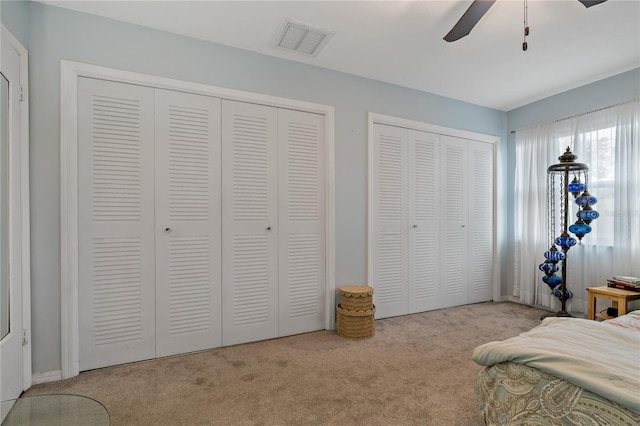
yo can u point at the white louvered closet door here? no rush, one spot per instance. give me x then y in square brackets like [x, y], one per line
[391, 230]
[481, 248]
[187, 222]
[249, 222]
[424, 219]
[301, 222]
[454, 208]
[116, 223]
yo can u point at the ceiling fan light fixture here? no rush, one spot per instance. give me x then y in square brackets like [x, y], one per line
[525, 46]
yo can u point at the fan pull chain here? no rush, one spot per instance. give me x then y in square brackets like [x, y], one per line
[526, 26]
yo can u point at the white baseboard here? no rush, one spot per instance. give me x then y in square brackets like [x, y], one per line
[48, 376]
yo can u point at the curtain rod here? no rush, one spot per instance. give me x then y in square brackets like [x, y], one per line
[576, 115]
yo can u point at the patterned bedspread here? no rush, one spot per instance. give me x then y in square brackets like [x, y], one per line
[514, 394]
[564, 372]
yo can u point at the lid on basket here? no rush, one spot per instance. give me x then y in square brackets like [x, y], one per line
[356, 291]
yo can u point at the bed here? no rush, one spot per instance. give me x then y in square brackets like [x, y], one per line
[566, 371]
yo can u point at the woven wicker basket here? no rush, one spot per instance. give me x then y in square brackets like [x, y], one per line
[356, 297]
[355, 324]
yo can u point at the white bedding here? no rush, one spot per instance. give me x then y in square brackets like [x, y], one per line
[601, 357]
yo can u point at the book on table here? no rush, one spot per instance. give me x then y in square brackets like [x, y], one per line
[624, 282]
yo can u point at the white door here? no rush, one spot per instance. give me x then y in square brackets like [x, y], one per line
[467, 211]
[250, 224]
[301, 222]
[424, 219]
[187, 206]
[480, 219]
[116, 223]
[432, 235]
[13, 246]
[454, 205]
[390, 215]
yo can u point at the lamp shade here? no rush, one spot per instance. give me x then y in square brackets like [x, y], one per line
[576, 187]
[580, 229]
[587, 215]
[586, 199]
[565, 241]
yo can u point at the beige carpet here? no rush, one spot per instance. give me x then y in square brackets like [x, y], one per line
[417, 370]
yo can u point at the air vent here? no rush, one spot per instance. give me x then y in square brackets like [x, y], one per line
[302, 38]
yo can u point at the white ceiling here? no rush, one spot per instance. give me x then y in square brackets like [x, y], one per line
[400, 42]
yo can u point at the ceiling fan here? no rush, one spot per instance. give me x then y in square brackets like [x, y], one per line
[477, 10]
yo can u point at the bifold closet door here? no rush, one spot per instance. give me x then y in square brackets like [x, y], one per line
[406, 218]
[424, 218]
[454, 209]
[188, 293]
[249, 222]
[116, 270]
[481, 223]
[433, 220]
[301, 231]
[390, 261]
[467, 212]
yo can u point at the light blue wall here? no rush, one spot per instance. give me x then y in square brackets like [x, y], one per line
[52, 34]
[606, 92]
[57, 33]
[15, 17]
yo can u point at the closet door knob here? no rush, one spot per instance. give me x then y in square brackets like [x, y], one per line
[268, 228]
[167, 230]
[415, 226]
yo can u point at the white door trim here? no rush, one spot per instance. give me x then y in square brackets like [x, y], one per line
[375, 118]
[23, 232]
[69, 73]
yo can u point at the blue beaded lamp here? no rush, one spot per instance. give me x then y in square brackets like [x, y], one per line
[558, 180]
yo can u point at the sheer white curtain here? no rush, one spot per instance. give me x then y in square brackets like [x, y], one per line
[608, 142]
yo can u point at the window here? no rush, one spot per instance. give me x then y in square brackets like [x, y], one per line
[607, 142]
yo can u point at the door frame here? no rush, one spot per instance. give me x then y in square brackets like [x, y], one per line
[70, 72]
[20, 227]
[376, 118]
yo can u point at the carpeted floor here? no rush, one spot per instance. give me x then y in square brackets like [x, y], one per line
[416, 370]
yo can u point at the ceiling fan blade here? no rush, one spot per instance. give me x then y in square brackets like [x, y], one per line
[469, 20]
[589, 3]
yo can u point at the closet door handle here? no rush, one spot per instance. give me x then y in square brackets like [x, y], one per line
[268, 228]
[415, 226]
[167, 230]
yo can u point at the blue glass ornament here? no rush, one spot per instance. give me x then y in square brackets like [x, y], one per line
[576, 187]
[557, 292]
[548, 267]
[580, 229]
[554, 255]
[587, 215]
[566, 241]
[586, 199]
[552, 281]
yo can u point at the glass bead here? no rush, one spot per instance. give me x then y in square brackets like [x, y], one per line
[548, 267]
[566, 241]
[586, 200]
[554, 255]
[580, 229]
[588, 215]
[552, 281]
[576, 187]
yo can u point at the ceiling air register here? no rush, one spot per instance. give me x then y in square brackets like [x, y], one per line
[302, 38]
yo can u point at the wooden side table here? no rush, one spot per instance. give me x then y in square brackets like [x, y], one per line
[618, 297]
